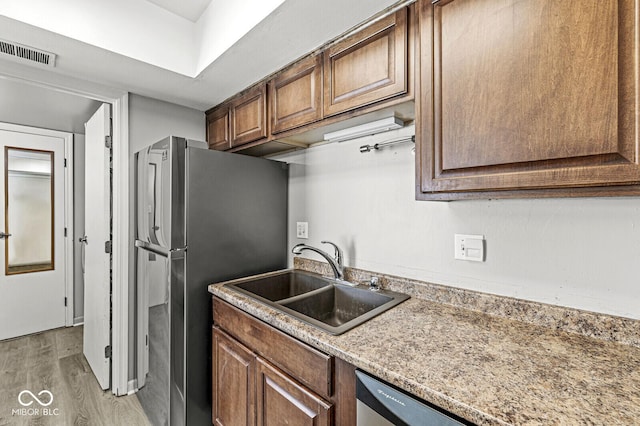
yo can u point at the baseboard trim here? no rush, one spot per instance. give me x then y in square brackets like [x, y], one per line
[132, 386]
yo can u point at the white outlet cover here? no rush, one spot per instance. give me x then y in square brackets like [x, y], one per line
[469, 247]
[302, 230]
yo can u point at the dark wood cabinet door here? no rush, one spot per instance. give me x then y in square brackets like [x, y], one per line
[527, 98]
[218, 129]
[368, 66]
[282, 401]
[296, 95]
[233, 382]
[249, 116]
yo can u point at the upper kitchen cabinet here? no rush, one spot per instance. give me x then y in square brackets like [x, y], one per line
[296, 95]
[527, 99]
[368, 66]
[248, 116]
[218, 128]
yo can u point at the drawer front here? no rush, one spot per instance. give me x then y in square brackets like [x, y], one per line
[309, 366]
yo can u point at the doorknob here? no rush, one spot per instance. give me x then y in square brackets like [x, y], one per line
[3, 235]
[83, 240]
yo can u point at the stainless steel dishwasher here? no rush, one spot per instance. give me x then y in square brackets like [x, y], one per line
[380, 404]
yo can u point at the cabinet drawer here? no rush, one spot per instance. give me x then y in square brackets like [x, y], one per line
[370, 66]
[312, 368]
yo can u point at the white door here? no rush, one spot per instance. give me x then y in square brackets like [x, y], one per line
[32, 255]
[97, 260]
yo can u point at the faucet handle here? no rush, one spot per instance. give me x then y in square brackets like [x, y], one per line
[374, 284]
[338, 252]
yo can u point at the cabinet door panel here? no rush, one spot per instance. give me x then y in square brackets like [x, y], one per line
[218, 129]
[367, 67]
[282, 401]
[249, 116]
[234, 372]
[527, 95]
[296, 95]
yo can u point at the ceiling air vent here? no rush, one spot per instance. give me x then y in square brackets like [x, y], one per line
[22, 53]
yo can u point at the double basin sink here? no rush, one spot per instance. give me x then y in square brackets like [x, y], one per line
[326, 303]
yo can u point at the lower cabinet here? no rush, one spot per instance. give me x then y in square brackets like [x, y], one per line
[258, 379]
[234, 377]
[280, 400]
[247, 390]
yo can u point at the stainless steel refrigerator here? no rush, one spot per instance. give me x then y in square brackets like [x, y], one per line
[202, 216]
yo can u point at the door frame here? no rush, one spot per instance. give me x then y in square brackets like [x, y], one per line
[119, 101]
[68, 205]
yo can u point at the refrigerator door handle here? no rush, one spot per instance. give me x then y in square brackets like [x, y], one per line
[153, 249]
[178, 253]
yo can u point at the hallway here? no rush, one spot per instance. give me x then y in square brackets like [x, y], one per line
[53, 361]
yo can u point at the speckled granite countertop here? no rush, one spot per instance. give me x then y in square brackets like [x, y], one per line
[489, 369]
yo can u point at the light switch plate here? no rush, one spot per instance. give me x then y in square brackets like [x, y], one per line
[469, 247]
[302, 230]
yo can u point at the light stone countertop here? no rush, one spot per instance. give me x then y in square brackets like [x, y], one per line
[485, 368]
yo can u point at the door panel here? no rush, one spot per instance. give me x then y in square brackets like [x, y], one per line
[233, 382]
[279, 397]
[296, 95]
[32, 266]
[97, 291]
[368, 66]
[526, 99]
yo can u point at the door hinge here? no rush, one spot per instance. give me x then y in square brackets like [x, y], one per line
[107, 246]
[65, 162]
[65, 232]
[107, 141]
[65, 301]
[107, 351]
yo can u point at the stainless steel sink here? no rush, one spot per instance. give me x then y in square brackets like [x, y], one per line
[280, 286]
[323, 302]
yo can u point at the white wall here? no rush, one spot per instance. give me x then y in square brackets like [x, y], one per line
[581, 253]
[151, 120]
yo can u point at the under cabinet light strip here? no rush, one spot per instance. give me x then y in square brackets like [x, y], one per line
[366, 129]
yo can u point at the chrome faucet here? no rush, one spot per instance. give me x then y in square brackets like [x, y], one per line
[336, 263]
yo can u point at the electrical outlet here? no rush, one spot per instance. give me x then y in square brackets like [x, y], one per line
[302, 229]
[469, 247]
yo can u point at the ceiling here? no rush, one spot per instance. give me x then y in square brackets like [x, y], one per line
[155, 49]
[188, 9]
[32, 105]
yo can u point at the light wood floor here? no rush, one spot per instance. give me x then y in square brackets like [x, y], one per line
[53, 361]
